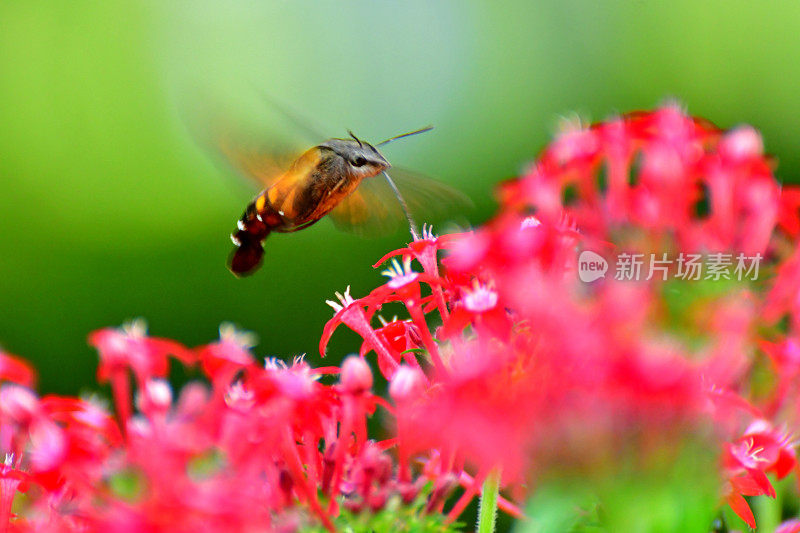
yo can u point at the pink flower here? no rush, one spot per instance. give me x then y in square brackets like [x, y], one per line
[790, 526]
[356, 377]
[425, 249]
[405, 285]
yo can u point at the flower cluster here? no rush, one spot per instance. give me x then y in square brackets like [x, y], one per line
[257, 446]
[528, 371]
[504, 368]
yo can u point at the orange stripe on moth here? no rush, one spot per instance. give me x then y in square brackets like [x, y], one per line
[261, 201]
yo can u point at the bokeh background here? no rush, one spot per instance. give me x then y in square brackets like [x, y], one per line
[110, 210]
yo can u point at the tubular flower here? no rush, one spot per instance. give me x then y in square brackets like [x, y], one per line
[405, 285]
[402, 338]
[478, 306]
[352, 313]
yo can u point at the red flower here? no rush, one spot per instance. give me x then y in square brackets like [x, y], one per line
[425, 249]
[789, 211]
[222, 360]
[745, 478]
[685, 166]
[352, 313]
[15, 370]
[479, 306]
[400, 337]
[130, 348]
[405, 285]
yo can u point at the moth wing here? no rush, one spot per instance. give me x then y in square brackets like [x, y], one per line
[373, 209]
[369, 211]
[259, 164]
[259, 141]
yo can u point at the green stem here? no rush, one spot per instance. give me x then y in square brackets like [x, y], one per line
[487, 511]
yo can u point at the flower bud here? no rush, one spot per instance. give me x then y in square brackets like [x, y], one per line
[407, 383]
[156, 397]
[741, 144]
[356, 376]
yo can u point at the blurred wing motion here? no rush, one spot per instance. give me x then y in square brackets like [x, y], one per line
[373, 209]
[259, 165]
[259, 142]
[260, 162]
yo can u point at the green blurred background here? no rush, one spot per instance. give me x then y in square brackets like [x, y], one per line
[109, 210]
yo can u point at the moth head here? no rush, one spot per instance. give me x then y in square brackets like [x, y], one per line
[359, 156]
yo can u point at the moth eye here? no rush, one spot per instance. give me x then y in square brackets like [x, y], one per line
[359, 161]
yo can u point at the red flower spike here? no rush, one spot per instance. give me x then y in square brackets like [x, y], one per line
[406, 387]
[680, 157]
[789, 211]
[355, 385]
[130, 348]
[295, 467]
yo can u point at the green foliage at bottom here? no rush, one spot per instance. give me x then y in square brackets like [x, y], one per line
[395, 516]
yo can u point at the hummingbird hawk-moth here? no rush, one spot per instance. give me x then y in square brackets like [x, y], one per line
[345, 179]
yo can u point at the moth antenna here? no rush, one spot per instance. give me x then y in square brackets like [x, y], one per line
[411, 224]
[356, 139]
[410, 133]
